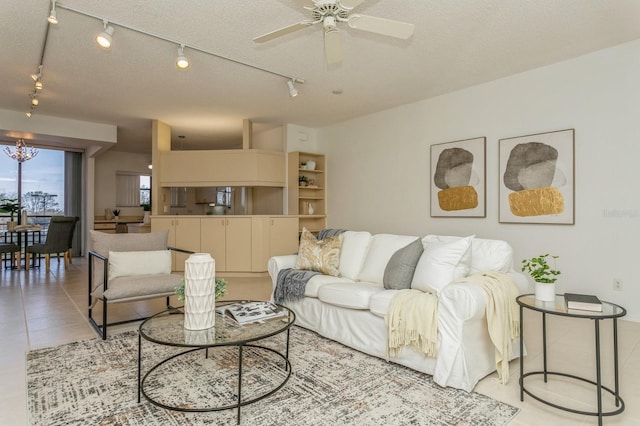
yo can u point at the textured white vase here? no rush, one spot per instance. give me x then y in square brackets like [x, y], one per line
[311, 165]
[146, 219]
[199, 291]
[546, 292]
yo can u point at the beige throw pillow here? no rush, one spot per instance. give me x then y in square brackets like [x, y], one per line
[319, 255]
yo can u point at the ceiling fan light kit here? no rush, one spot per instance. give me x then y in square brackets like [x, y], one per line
[332, 12]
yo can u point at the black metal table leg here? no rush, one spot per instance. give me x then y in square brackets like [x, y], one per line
[239, 380]
[139, 364]
[521, 355]
[544, 345]
[598, 372]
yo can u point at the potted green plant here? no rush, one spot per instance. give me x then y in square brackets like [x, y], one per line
[11, 206]
[303, 181]
[116, 213]
[221, 289]
[543, 274]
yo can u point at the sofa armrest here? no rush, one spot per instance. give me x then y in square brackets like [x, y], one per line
[467, 301]
[277, 263]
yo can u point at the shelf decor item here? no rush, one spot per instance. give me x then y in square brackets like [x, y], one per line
[311, 165]
[544, 277]
[116, 214]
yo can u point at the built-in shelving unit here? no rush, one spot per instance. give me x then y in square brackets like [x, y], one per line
[307, 190]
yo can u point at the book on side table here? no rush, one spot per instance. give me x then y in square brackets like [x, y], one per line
[245, 313]
[583, 302]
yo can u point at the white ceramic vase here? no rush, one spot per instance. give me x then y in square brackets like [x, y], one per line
[146, 219]
[311, 165]
[546, 292]
[199, 291]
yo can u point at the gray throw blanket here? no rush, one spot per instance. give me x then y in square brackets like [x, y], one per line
[291, 284]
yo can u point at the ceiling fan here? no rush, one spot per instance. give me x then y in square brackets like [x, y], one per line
[330, 13]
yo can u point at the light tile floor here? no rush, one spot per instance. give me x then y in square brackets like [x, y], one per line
[39, 309]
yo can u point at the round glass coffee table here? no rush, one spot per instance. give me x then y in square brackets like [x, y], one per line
[167, 328]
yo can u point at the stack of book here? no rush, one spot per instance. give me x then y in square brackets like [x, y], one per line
[583, 302]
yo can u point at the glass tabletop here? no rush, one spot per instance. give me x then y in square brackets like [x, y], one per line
[167, 328]
[559, 307]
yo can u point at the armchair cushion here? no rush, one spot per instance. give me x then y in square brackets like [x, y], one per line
[127, 289]
[132, 263]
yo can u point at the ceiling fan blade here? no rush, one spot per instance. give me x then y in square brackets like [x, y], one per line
[332, 46]
[350, 4]
[382, 26]
[282, 31]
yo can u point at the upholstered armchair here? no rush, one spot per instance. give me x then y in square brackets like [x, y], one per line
[127, 268]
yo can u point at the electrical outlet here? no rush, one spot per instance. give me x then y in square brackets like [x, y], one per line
[617, 284]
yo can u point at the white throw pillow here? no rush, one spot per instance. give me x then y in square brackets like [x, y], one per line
[354, 250]
[382, 247]
[129, 263]
[443, 260]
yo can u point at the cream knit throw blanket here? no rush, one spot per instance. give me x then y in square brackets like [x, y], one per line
[503, 316]
[412, 321]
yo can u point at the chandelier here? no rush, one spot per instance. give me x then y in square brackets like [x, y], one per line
[22, 153]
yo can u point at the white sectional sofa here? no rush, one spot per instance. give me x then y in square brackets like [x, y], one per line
[351, 308]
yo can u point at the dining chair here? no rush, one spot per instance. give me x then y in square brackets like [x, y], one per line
[58, 240]
[13, 249]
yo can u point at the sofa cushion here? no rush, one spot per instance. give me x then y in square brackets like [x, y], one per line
[317, 281]
[353, 295]
[491, 255]
[319, 255]
[399, 271]
[131, 263]
[354, 250]
[139, 287]
[382, 247]
[443, 261]
[379, 303]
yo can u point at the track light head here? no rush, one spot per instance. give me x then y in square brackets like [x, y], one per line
[28, 114]
[293, 92]
[34, 101]
[53, 17]
[38, 85]
[182, 62]
[105, 37]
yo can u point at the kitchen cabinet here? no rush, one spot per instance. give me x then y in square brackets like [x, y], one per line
[184, 233]
[283, 236]
[229, 241]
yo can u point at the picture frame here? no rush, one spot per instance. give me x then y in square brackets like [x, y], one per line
[537, 178]
[458, 178]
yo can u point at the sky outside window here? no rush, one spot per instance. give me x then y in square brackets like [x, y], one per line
[45, 173]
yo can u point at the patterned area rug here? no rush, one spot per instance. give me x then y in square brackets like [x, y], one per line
[94, 382]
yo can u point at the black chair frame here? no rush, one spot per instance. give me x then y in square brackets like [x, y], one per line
[101, 329]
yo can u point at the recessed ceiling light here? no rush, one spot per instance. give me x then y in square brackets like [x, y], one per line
[337, 92]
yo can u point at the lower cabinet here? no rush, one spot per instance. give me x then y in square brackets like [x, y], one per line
[184, 233]
[238, 244]
[228, 240]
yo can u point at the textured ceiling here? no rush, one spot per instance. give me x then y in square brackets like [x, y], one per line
[456, 44]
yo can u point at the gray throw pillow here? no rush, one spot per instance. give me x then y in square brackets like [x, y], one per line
[399, 271]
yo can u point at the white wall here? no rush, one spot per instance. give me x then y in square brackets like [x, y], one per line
[106, 166]
[378, 166]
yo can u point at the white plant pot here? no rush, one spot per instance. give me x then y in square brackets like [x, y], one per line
[199, 292]
[546, 292]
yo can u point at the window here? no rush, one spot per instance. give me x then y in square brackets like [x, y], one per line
[132, 190]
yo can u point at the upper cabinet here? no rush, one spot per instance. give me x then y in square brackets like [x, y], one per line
[307, 180]
[247, 167]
